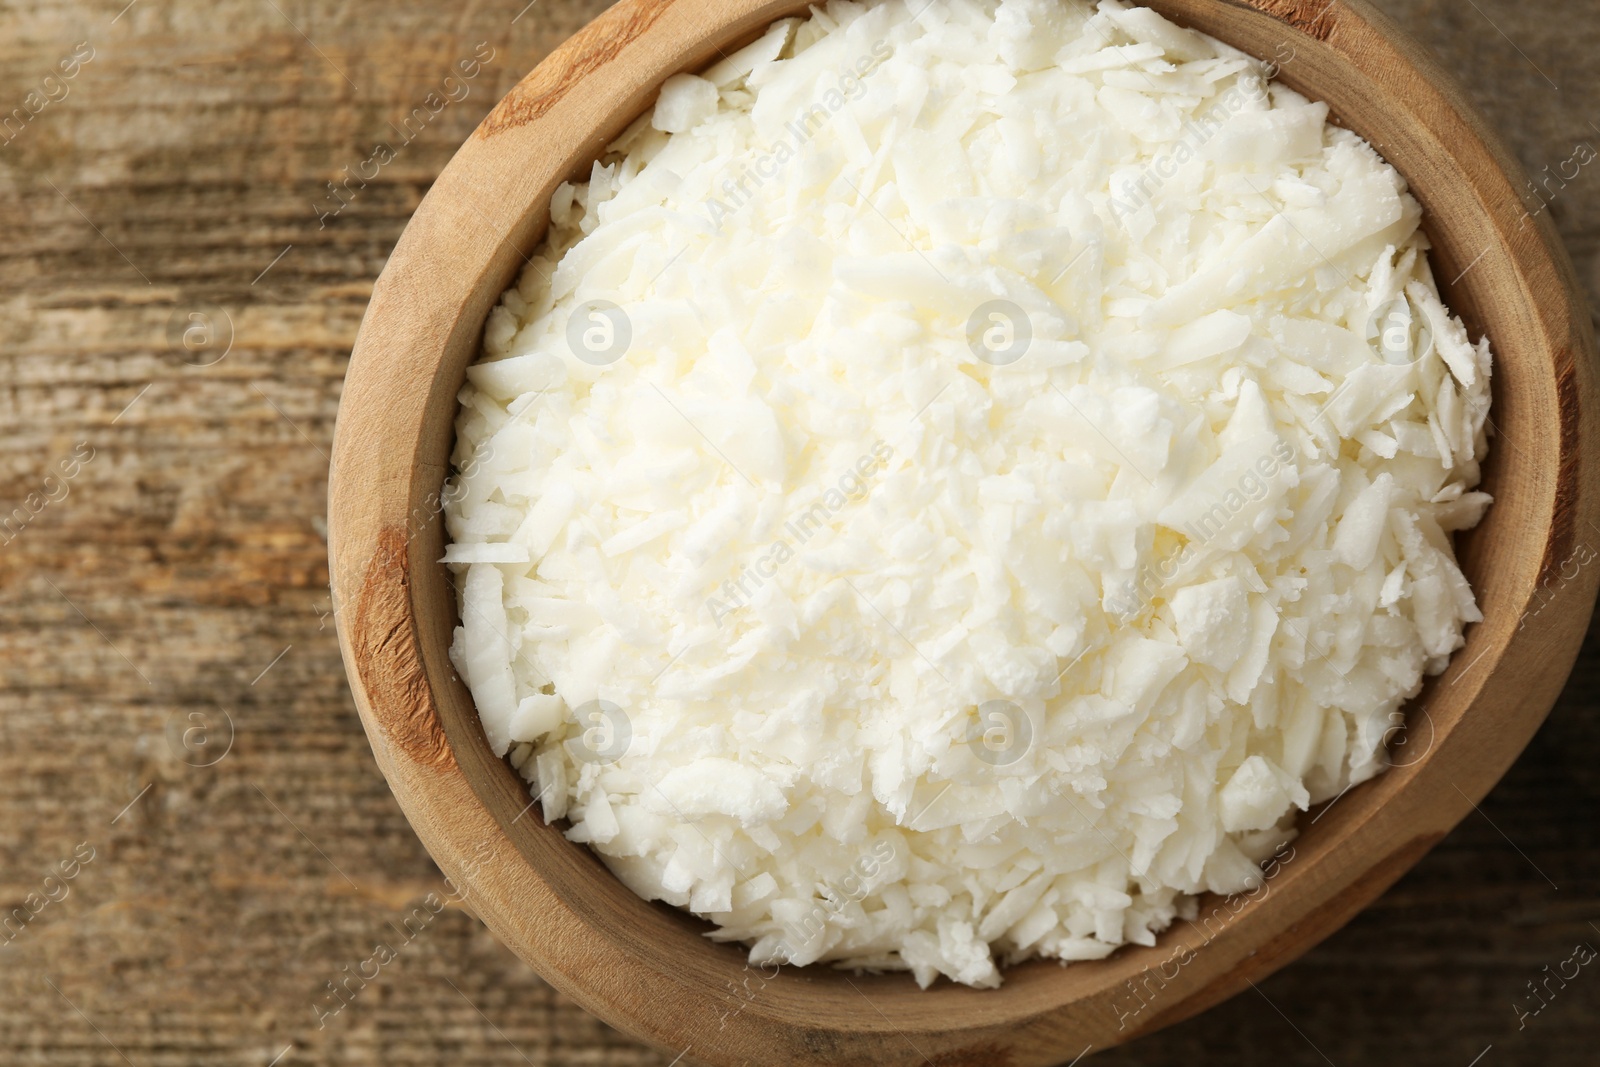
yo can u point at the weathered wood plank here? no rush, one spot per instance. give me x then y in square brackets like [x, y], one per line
[186, 556]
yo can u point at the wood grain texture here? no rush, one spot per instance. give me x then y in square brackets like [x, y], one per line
[650, 970]
[204, 930]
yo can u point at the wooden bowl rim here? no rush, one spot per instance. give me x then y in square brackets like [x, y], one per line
[424, 323]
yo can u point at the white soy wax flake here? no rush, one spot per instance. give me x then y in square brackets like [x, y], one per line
[958, 479]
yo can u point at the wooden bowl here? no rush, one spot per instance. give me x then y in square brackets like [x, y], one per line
[647, 968]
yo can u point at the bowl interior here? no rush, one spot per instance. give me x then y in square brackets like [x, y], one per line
[1347, 853]
[1485, 554]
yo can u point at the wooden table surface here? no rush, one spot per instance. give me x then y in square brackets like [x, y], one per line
[189, 813]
